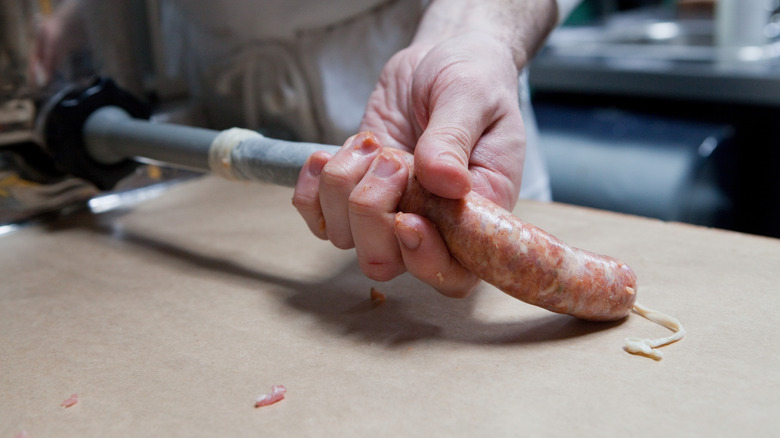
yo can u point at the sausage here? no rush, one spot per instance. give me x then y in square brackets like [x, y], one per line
[522, 260]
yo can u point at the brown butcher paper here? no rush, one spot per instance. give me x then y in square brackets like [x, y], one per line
[170, 318]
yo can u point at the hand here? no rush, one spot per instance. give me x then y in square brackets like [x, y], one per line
[454, 105]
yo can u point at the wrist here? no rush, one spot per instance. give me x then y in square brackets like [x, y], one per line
[521, 25]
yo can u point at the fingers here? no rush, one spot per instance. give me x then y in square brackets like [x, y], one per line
[325, 184]
[351, 200]
[426, 257]
[386, 243]
[306, 198]
[372, 207]
[339, 178]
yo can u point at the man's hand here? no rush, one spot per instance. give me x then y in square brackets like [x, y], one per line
[451, 99]
[455, 106]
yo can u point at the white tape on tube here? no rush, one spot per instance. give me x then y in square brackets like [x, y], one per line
[222, 147]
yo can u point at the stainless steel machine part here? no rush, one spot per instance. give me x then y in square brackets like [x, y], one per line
[112, 135]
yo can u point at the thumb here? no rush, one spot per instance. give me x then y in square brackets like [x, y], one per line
[441, 159]
[443, 151]
[453, 110]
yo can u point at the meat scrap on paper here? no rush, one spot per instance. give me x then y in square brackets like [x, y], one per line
[70, 401]
[377, 297]
[277, 394]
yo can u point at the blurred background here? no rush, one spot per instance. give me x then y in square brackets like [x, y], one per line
[661, 108]
[666, 109]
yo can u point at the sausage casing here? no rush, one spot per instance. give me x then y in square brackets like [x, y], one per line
[525, 261]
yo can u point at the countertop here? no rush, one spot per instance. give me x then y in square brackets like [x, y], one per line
[169, 319]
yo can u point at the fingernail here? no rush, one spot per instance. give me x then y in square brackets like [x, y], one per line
[365, 143]
[315, 167]
[385, 166]
[408, 236]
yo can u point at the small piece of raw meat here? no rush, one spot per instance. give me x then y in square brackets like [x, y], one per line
[70, 401]
[277, 394]
[377, 297]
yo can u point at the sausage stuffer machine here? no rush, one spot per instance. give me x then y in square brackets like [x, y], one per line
[100, 133]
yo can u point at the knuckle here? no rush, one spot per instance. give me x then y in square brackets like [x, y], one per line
[341, 241]
[335, 175]
[382, 271]
[455, 136]
[361, 205]
[303, 202]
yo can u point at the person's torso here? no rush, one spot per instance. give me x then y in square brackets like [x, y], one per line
[269, 19]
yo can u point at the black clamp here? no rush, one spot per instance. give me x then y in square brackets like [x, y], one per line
[64, 125]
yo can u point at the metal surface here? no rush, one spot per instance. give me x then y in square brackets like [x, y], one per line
[111, 136]
[656, 54]
[653, 166]
[656, 80]
[662, 63]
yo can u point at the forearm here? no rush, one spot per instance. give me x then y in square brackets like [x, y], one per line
[522, 25]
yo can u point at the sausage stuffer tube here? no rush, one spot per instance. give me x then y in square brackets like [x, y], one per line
[111, 135]
[100, 133]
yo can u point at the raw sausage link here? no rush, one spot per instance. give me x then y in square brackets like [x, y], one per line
[522, 260]
[525, 261]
